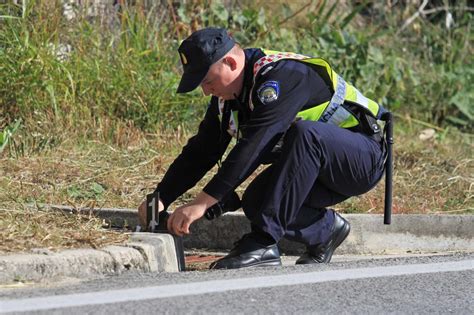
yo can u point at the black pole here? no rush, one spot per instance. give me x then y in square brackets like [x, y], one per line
[387, 217]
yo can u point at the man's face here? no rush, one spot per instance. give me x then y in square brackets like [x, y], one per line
[221, 81]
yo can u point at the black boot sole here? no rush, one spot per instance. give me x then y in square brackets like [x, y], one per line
[267, 263]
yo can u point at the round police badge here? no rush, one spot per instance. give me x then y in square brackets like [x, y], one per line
[268, 91]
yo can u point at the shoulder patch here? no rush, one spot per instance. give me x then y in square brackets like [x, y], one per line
[268, 91]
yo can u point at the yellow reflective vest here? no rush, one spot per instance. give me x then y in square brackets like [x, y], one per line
[331, 112]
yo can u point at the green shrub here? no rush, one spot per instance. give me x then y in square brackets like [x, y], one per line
[82, 75]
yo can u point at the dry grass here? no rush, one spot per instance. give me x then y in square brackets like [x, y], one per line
[24, 229]
[431, 176]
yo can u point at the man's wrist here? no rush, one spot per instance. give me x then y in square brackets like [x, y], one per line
[205, 200]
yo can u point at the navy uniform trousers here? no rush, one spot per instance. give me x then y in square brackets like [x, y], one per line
[320, 165]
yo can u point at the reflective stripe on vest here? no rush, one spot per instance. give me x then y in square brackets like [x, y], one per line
[331, 112]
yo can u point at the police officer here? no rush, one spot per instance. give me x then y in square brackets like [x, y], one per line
[318, 133]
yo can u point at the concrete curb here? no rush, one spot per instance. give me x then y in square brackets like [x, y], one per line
[407, 233]
[145, 252]
[149, 252]
[416, 233]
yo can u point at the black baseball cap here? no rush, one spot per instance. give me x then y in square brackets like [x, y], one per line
[198, 52]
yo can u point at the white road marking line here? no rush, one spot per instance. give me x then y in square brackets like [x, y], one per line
[196, 288]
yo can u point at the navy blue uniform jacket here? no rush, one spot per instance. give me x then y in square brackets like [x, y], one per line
[300, 88]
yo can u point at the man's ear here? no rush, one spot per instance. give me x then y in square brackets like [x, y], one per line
[231, 62]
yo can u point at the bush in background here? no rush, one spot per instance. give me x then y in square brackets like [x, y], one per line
[94, 78]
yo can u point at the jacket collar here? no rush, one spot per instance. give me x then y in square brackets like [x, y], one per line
[251, 56]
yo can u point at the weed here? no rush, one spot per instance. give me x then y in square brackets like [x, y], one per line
[7, 134]
[77, 75]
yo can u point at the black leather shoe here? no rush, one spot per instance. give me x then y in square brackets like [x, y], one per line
[322, 253]
[249, 253]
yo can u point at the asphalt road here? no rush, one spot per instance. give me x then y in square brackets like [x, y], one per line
[403, 285]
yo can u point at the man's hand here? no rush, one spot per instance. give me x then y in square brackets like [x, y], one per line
[142, 213]
[181, 218]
